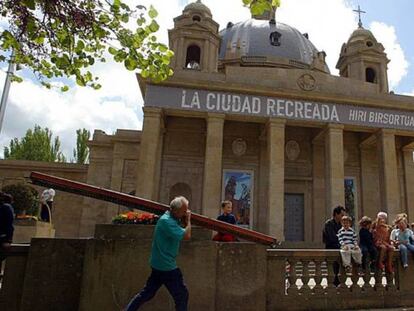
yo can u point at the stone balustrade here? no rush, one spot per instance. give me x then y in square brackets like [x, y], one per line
[302, 279]
[103, 273]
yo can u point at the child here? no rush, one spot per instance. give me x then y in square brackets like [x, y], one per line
[402, 238]
[366, 242]
[349, 244]
[381, 234]
[226, 216]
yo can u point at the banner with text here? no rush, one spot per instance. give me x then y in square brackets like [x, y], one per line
[245, 104]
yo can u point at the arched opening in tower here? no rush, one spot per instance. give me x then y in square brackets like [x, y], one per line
[192, 60]
[370, 75]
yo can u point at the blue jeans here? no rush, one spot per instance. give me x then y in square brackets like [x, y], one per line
[404, 248]
[174, 282]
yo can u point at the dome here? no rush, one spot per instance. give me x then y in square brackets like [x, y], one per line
[280, 44]
[361, 34]
[197, 6]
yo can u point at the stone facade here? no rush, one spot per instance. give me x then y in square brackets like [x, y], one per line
[301, 164]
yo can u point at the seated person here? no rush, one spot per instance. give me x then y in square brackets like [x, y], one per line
[226, 216]
[381, 234]
[349, 244]
[366, 243]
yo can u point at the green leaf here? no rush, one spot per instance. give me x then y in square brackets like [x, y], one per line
[80, 81]
[80, 45]
[130, 63]
[15, 78]
[154, 26]
[152, 12]
[30, 4]
[39, 40]
[64, 88]
[145, 73]
[162, 48]
[112, 50]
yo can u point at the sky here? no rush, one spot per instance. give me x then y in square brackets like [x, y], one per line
[118, 104]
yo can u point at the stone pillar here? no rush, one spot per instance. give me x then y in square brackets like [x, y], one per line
[150, 154]
[388, 172]
[319, 211]
[276, 184]
[334, 167]
[213, 165]
[409, 181]
[369, 181]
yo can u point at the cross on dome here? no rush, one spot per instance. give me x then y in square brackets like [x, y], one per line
[359, 11]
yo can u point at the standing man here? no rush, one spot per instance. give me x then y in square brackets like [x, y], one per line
[47, 202]
[330, 237]
[165, 246]
[6, 224]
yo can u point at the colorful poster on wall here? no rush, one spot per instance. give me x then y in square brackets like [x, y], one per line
[350, 197]
[238, 188]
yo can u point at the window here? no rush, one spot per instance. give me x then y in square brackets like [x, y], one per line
[196, 18]
[370, 75]
[275, 38]
[369, 43]
[193, 57]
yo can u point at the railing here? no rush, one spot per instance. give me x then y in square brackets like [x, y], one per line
[304, 280]
[12, 275]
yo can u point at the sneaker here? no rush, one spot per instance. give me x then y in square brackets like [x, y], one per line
[348, 269]
[405, 266]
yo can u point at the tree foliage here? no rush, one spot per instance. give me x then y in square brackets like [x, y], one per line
[257, 7]
[64, 38]
[81, 153]
[25, 198]
[36, 145]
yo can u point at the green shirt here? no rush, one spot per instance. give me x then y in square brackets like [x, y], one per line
[166, 243]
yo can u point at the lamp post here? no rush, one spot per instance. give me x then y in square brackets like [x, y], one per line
[6, 89]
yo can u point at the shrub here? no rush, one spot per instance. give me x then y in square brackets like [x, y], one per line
[25, 198]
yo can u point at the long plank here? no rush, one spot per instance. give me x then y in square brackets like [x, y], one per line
[131, 201]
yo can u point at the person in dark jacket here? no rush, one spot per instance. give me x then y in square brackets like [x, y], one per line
[6, 224]
[366, 242]
[330, 238]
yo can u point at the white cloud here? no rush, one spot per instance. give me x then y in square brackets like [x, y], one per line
[398, 65]
[117, 105]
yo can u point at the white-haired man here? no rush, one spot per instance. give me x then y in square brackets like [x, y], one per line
[165, 246]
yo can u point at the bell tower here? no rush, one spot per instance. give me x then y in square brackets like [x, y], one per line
[363, 58]
[195, 39]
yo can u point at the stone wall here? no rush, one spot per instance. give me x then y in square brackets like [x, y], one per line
[67, 208]
[105, 272]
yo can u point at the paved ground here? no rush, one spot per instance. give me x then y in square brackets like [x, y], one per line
[390, 309]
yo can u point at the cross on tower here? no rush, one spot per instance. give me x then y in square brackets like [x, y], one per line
[359, 11]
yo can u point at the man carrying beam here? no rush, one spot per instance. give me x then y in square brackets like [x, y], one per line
[165, 246]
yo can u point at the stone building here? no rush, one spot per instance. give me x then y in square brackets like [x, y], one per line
[252, 114]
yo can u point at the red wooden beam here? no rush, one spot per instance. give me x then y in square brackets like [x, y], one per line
[131, 201]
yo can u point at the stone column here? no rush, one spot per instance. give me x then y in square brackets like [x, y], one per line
[334, 167]
[389, 189]
[213, 165]
[369, 180]
[150, 154]
[319, 211]
[409, 180]
[276, 185]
